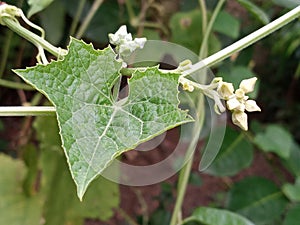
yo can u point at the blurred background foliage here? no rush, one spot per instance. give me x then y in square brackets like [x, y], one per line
[35, 185]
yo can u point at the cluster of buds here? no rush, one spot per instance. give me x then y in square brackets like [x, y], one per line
[237, 101]
[124, 43]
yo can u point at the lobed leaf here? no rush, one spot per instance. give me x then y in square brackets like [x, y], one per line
[95, 127]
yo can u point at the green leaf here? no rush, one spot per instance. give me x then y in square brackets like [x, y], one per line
[275, 139]
[212, 216]
[287, 3]
[291, 191]
[292, 162]
[95, 128]
[37, 6]
[292, 216]
[30, 157]
[236, 153]
[227, 24]
[258, 199]
[256, 11]
[15, 207]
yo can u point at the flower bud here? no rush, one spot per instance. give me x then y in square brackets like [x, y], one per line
[240, 118]
[225, 90]
[233, 103]
[248, 84]
[251, 106]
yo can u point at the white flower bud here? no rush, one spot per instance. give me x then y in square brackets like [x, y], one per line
[120, 36]
[225, 90]
[240, 119]
[124, 43]
[233, 103]
[140, 42]
[251, 106]
[248, 84]
[187, 86]
[240, 94]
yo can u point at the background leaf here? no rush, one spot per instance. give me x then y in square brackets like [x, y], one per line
[227, 24]
[15, 207]
[291, 191]
[292, 162]
[236, 153]
[37, 6]
[275, 139]
[287, 3]
[62, 205]
[256, 11]
[212, 216]
[257, 199]
[292, 216]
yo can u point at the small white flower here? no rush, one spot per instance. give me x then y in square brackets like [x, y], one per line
[140, 42]
[225, 90]
[120, 36]
[240, 94]
[248, 84]
[233, 103]
[240, 119]
[125, 45]
[251, 106]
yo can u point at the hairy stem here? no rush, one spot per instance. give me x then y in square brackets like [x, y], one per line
[186, 170]
[32, 37]
[207, 32]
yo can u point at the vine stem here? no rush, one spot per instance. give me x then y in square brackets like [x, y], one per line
[27, 111]
[246, 41]
[32, 37]
[77, 17]
[206, 34]
[88, 18]
[5, 51]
